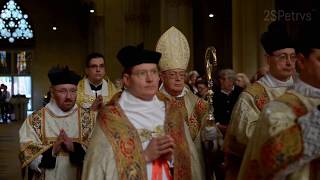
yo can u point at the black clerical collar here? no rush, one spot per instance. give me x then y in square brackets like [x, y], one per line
[95, 88]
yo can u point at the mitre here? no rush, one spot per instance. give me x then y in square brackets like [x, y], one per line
[174, 47]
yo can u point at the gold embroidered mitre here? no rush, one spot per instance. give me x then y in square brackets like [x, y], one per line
[174, 47]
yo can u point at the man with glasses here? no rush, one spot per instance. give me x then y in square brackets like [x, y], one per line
[53, 139]
[140, 132]
[281, 58]
[174, 48]
[225, 97]
[286, 143]
[93, 90]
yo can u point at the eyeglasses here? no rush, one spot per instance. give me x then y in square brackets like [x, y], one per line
[143, 73]
[174, 74]
[94, 66]
[64, 92]
[285, 57]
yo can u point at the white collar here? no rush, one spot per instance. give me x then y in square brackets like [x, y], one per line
[183, 93]
[132, 100]
[142, 114]
[225, 92]
[306, 89]
[53, 107]
[272, 82]
[88, 91]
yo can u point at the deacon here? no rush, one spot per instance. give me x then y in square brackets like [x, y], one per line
[281, 58]
[93, 90]
[140, 133]
[53, 139]
[286, 141]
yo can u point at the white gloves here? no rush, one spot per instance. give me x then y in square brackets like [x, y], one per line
[214, 135]
[34, 165]
[210, 133]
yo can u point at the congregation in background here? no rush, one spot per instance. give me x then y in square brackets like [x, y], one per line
[153, 122]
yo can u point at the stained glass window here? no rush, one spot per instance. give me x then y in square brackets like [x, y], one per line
[5, 62]
[22, 62]
[13, 23]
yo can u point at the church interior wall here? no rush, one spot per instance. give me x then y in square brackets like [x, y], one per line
[65, 46]
[235, 32]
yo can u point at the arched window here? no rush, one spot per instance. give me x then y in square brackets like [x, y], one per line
[13, 23]
[15, 53]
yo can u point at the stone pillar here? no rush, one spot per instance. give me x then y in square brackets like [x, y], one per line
[96, 27]
[125, 22]
[178, 13]
[114, 24]
[248, 22]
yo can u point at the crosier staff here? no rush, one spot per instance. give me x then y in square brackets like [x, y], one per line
[211, 64]
[212, 147]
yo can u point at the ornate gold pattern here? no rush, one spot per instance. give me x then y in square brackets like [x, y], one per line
[83, 98]
[29, 151]
[284, 148]
[127, 146]
[281, 150]
[87, 122]
[194, 122]
[146, 135]
[174, 125]
[36, 122]
[259, 94]
[174, 47]
[125, 143]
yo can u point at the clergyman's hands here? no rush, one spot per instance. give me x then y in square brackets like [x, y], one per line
[57, 145]
[67, 142]
[62, 142]
[159, 147]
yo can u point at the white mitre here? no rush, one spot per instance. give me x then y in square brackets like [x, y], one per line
[174, 47]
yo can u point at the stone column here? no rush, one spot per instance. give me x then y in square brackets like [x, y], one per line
[96, 27]
[178, 13]
[248, 22]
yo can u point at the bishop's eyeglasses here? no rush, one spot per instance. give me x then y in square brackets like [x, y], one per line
[175, 74]
[284, 57]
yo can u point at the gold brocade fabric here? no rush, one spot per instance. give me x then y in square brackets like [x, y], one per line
[126, 143]
[39, 131]
[259, 95]
[244, 118]
[84, 98]
[146, 135]
[279, 142]
[197, 111]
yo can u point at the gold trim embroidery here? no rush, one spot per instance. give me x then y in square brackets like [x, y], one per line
[127, 146]
[146, 135]
[86, 124]
[259, 94]
[31, 152]
[83, 98]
